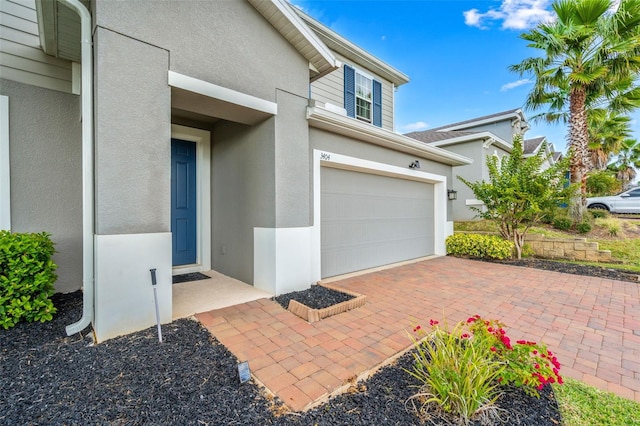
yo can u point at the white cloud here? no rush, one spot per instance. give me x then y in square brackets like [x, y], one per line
[515, 84]
[514, 14]
[413, 127]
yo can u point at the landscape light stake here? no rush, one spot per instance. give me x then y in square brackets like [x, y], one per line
[155, 296]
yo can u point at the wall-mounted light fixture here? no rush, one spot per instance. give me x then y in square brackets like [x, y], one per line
[452, 194]
[414, 165]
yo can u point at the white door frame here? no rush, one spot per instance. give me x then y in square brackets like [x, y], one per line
[202, 138]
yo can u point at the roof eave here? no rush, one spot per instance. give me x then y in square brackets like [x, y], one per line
[322, 118]
[519, 114]
[282, 16]
[483, 136]
[351, 51]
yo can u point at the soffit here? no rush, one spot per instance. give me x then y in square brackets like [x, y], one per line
[59, 28]
[284, 19]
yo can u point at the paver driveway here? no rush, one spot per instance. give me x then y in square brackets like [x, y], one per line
[591, 324]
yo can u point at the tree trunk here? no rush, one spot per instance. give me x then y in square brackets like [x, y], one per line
[578, 142]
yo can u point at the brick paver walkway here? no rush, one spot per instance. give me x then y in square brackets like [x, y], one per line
[591, 324]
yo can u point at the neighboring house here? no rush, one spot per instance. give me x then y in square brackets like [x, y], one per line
[533, 146]
[476, 139]
[240, 136]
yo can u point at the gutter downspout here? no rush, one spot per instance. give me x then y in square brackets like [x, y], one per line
[87, 168]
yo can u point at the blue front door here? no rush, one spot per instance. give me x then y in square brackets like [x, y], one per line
[183, 202]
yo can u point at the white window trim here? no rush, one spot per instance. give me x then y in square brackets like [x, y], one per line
[5, 163]
[355, 92]
[202, 138]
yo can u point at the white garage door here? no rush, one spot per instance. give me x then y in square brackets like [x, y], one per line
[371, 220]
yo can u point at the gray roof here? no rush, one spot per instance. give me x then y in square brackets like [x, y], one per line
[530, 146]
[429, 136]
[557, 156]
[473, 120]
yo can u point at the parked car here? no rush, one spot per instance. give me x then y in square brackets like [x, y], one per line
[625, 202]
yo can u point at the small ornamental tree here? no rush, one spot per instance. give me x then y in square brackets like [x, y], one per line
[520, 193]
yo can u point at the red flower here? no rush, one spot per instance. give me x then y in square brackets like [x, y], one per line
[471, 319]
[521, 342]
[433, 322]
[417, 328]
[560, 381]
[535, 352]
[537, 366]
[506, 341]
[490, 329]
[465, 336]
[493, 349]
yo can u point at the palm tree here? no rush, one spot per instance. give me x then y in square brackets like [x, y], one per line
[591, 56]
[607, 130]
[627, 162]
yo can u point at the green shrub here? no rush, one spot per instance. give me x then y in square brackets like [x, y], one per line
[562, 223]
[481, 246]
[602, 183]
[598, 214]
[527, 251]
[26, 278]
[550, 214]
[583, 227]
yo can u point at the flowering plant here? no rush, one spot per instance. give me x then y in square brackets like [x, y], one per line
[456, 376]
[524, 364]
[528, 364]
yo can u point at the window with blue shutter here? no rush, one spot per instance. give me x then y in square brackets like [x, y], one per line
[377, 103]
[362, 96]
[350, 91]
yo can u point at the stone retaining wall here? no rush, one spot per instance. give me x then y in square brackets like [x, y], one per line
[561, 248]
[567, 248]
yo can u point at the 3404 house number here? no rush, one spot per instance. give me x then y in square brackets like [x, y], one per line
[325, 157]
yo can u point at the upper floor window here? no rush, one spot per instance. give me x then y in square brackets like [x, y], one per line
[362, 96]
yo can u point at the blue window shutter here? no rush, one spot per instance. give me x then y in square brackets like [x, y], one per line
[350, 91]
[377, 103]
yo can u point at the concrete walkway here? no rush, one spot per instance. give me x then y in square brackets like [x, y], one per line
[591, 324]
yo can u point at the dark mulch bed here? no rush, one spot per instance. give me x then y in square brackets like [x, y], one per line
[570, 268]
[317, 297]
[48, 378]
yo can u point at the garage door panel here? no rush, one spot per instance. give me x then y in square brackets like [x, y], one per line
[370, 220]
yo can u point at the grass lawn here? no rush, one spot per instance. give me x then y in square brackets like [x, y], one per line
[584, 405]
[624, 245]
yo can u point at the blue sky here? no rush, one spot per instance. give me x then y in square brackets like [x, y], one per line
[455, 52]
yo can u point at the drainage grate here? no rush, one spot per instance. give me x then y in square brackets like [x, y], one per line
[194, 276]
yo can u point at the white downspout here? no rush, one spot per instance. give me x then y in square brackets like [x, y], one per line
[87, 168]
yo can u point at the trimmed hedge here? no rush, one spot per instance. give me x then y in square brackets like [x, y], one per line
[481, 246]
[26, 278]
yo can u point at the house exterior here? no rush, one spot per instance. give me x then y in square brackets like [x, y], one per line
[476, 139]
[531, 147]
[240, 136]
